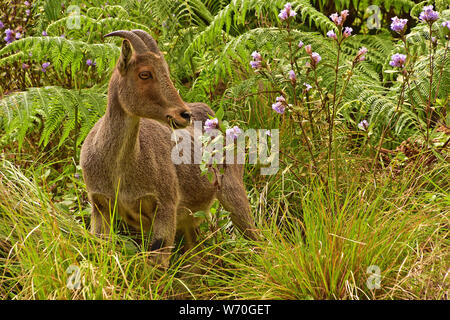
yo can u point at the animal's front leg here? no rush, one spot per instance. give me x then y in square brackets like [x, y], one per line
[163, 228]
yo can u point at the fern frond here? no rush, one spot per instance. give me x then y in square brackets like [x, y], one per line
[61, 52]
[19, 112]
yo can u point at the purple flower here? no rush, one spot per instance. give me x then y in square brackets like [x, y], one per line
[45, 65]
[26, 3]
[344, 14]
[308, 87]
[300, 44]
[268, 133]
[89, 62]
[18, 35]
[361, 54]
[1, 25]
[255, 64]
[444, 24]
[331, 34]
[428, 14]
[9, 36]
[398, 60]
[287, 12]
[62, 36]
[308, 49]
[363, 125]
[27, 12]
[44, 33]
[398, 25]
[280, 99]
[211, 124]
[283, 15]
[280, 105]
[315, 58]
[336, 19]
[256, 56]
[292, 76]
[347, 32]
[233, 133]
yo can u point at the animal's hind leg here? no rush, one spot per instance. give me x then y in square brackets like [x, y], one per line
[100, 216]
[233, 197]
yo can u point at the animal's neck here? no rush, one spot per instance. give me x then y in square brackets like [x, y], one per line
[121, 131]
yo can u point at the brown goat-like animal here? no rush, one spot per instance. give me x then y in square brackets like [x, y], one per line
[126, 157]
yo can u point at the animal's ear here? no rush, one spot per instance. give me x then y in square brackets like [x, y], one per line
[125, 56]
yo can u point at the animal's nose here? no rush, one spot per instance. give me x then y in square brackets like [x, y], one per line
[186, 115]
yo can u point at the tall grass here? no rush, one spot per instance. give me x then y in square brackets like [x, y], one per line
[318, 244]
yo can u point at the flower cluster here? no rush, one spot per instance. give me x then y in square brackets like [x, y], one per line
[90, 63]
[347, 32]
[233, 133]
[45, 65]
[428, 15]
[361, 55]
[315, 57]
[363, 125]
[257, 58]
[339, 19]
[331, 34]
[11, 35]
[398, 60]
[280, 105]
[339, 22]
[211, 124]
[287, 12]
[398, 25]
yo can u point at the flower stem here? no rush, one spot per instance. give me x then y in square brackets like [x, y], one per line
[333, 116]
[428, 110]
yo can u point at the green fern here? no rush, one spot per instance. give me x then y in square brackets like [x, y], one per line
[61, 52]
[55, 108]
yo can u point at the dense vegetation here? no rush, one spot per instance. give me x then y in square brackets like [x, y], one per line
[359, 208]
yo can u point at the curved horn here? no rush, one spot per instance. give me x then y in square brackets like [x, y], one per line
[148, 40]
[136, 42]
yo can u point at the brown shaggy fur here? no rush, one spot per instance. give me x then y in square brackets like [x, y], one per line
[128, 154]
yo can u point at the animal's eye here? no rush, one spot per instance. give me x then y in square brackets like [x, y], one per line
[145, 75]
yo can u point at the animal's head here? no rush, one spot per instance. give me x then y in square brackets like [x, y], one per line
[142, 82]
